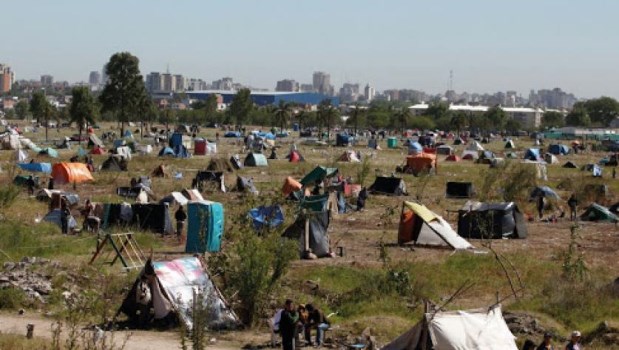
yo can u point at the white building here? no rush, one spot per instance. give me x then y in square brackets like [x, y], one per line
[528, 117]
[369, 93]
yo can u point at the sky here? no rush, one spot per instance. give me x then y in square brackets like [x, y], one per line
[490, 45]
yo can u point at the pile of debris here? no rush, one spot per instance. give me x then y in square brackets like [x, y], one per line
[527, 326]
[31, 275]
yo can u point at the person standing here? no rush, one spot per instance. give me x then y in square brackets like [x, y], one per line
[546, 343]
[31, 185]
[65, 214]
[574, 343]
[180, 217]
[572, 202]
[540, 206]
[288, 325]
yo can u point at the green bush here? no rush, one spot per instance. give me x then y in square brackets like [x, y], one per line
[11, 298]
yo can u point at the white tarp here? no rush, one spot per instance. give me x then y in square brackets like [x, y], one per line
[440, 233]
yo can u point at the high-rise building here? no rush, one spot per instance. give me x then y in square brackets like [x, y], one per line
[47, 80]
[154, 82]
[104, 75]
[287, 85]
[168, 82]
[349, 92]
[180, 83]
[307, 88]
[322, 83]
[196, 84]
[223, 84]
[7, 78]
[369, 93]
[95, 78]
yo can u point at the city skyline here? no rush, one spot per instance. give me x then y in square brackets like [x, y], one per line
[407, 44]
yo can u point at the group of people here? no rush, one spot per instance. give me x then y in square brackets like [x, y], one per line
[573, 344]
[292, 322]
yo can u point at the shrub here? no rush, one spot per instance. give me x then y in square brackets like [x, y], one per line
[11, 298]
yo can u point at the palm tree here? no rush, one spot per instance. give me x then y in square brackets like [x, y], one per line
[327, 114]
[355, 114]
[83, 109]
[282, 114]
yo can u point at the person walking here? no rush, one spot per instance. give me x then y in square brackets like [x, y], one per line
[572, 202]
[288, 325]
[574, 343]
[180, 217]
[547, 342]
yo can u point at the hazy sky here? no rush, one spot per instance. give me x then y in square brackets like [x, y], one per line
[490, 45]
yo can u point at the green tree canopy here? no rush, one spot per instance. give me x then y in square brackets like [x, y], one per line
[458, 121]
[578, 117]
[438, 110]
[124, 91]
[496, 117]
[210, 108]
[83, 109]
[356, 115]
[41, 109]
[422, 123]
[402, 118]
[513, 125]
[241, 106]
[552, 119]
[281, 114]
[21, 109]
[602, 110]
[327, 115]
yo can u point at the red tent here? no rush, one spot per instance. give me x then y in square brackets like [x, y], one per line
[420, 162]
[453, 158]
[97, 150]
[295, 157]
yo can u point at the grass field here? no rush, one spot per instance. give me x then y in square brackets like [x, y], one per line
[359, 286]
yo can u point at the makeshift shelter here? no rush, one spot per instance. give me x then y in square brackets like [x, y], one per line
[481, 329]
[173, 289]
[295, 156]
[393, 186]
[160, 171]
[205, 227]
[255, 159]
[152, 217]
[49, 151]
[486, 157]
[558, 149]
[63, 173]
[470, 155]
[94, 141]
[310, 229]
[36, 167]
[266, 216]
[215, 178]
[474, 146]
[596, 212]
[97, 151]
[414, 148]
[236, 162]
[453, 158]
[192, 194]
[491, 220]
[54, 217]
[373, 144]
[291, 185]
[458, 141]
[544, 191]
[114, 163]
[532, 154]
[55, 197]
[245, 184]
[174, 198]
[541, 171]
[349, 156]
[318, 175]
[420, 163]
[21, 155]
[422, 226]
[459, 189]
[20, 180]
[166, 152]
[444, 149]
[509, 144]
[220, 164]
[570, 165]
[551, 158]
[232, 134]
[343, 139]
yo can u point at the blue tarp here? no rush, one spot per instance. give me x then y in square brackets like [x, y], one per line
[558, 149]
[266, 135]
[176, 139]
[205, 228]
[54, 217]
[343, 139]
[166, 151]
[232, 134]
[532, 154]
[262, 216]
[415, 147]
[36, 167]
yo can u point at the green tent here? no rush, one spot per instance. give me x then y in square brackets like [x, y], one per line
[596, 212]
[318, 174]
[255, 159]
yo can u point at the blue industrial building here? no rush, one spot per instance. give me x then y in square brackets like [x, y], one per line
[264, 98]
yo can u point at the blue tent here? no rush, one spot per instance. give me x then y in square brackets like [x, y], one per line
[180, 151]
[532, 154]
[415, 147]
[544, 191]
[128, 134]
[558, 149]
[342, 139]
[266, 135]
[54, 217]
[36, 167]
[166, 151]
[205, 227]
[262, 216]
[232, 134]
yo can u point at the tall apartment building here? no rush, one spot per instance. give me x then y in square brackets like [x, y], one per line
[154, 82]
[180, 83]
[94, 79]
[225, 83]
[7, 78]
[369, 93]
[196, 85]
[322, 83]
[287, 85]
[47, 80]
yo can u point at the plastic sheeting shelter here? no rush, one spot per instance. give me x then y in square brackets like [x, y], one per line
[453, 158]
[414, 148]
[596, 212]
[550, 158]
[349, 156]
[422, 226]
[212, 177]
[491, 220]
[475, 146]
[470, 155]
[544, 191]
[263, 216]
[114, 164]
[166, 152]
[343, 139]
[49, 151]
[63, 173]
[481, 329]
[173, 290]
[558, 149]
[294, 157]
[318, 175]
[532, 154]
[394, 186]
[311, 232]
[570, 165]
[291, 185]
[246, 184]
[54, 217]
[444, 149]
[255, 159]
[205, 227]
[510, 144]
[419, 163]
[459, 189]
[232, 134]
[36, 167]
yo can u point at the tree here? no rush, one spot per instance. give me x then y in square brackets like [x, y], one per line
[552, 119]
[437, 110]
[83, 108]
[513, 125]
[578, 117]
[458, 121]
[282, 114]
[40, 108]
[327, 115]
[402, 117]
[146, 110]
[422, 123]
[21, 109]
[356, 114]
[241, 106]
[602, 110]
[496, 117]
[210, 108]
[124, 90]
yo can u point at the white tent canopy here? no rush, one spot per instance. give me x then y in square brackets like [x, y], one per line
[474, 146]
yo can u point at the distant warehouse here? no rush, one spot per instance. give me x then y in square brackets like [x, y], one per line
[264, 98]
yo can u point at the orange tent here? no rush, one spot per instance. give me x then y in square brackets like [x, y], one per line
[291, 185]
[420, 162]
[71, 173]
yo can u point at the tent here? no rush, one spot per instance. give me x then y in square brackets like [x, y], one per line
[420, 163]
[214, 177]
[49, 151]
[235, 161]
[36, 167]
[486, 157]
[255, 159]
[174, 290]
[174, 198]
[291, 185]
[458, 141]
[570, 165]
[544, 191]
[421, 226]
[373, 144]
[113, 163]
[491, 220]
[558, 149]
[349, 156]
[294, 157]
[595, 169]
[459, 189]
[160, 171]
[474, 146]
[220, 164]
[509, 144]
[444, 149]
[453, 158]
[205, 227]
[97, 151]
[414, 148]
[343, 139]
[20, 180]
[63, 173]
[470, 155]
[232, 134]
[541, 171]
[54, 217]
[511, 155]
[21, 155]
[166, 152]
[532, 154]
[245, 184]
[389, 186]
[192, 194]
[481, 329]
[318, 175]
[596, 212]
[152, 217]
[310, 230]
[94, 141]
[551, 158]
[266, 216]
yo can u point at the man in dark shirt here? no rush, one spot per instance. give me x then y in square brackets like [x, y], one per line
[180, 217]
[572, 202]
[288, 325]
[317, 320]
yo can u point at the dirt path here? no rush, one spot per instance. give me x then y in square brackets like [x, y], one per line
[139, 340]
